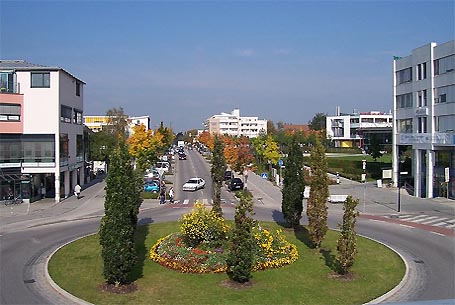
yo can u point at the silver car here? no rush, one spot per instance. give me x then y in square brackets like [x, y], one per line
[194, 184]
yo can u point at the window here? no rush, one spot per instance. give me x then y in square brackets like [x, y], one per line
[405, 126]
[444, 94]
[78, 88]
[41, 80]
[79, 148]
[444, 65]
[422, 71]
[422, 125]
[77, 118]
[404, 76]
[65, 114]
[10, 112]
[404, 100]
[422, 98]
[64, 150]
[6, 82]
[367, 120]
[355, 121]
[444, 123]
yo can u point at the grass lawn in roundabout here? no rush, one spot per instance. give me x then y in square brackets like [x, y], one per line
[77, 268]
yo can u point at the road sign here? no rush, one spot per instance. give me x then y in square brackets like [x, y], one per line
[364, 164]
[446, 174]
[280, 163]
[264, 175]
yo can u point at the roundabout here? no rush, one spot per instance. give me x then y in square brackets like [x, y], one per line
[309, 280]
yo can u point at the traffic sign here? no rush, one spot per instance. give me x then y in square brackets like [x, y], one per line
[264, 175]
[280, 163]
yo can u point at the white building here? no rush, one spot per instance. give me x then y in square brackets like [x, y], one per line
[234, 125]
[356, 129]
[424, 117]
[96, 122]
[41, 131]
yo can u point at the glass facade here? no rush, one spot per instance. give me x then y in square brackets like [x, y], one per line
[16, 148]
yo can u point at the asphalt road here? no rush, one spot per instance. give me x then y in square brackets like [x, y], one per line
[27, 242]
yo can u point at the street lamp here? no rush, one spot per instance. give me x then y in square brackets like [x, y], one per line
[399, 182]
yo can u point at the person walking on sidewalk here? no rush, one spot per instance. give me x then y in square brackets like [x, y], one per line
[77, 191]
[171, 195]
[162, 195]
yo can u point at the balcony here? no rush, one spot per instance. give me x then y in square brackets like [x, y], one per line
[437, 138]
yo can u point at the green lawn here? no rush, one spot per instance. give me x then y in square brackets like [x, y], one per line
[77, 268]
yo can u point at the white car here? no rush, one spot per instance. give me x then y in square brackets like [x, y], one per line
[194, 184]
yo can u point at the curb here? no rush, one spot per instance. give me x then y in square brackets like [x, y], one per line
[400, 285]
[54, 285]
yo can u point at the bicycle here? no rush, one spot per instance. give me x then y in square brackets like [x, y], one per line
[15, 200]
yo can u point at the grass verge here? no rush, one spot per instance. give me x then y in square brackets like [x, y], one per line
[77, 268]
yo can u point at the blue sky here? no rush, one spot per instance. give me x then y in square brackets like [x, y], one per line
[181, 62]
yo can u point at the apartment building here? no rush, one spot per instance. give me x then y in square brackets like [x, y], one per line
[97, 122]
[424, 118]
[358, 128]
[41, 131]
[233, 124]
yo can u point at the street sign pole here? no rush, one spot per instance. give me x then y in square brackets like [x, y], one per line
[364, 179]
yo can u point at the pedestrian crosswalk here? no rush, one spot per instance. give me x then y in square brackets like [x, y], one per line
[437, 221]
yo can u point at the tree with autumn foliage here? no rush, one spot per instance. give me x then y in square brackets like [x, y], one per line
[271, 151]
[319, 192]
[167, 137]
[217, 172]
[206, 138]
[145, 146]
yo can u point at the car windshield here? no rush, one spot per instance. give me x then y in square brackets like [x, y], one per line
[236, 180]
[192, 181]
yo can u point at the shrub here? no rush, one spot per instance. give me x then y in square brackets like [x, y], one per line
[201, 225]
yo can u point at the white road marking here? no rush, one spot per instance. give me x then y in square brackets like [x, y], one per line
[437, 233]
[411, 218]
[376, 220]
[425, 219]
[205, 201]
[451, 226]
[186, 201]
[406, 226]
[434, 220]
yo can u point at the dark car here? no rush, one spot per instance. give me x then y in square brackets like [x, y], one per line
[182, 157]
[236, 184]
[228, 175]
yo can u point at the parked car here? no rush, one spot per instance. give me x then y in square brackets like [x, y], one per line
[235, 184]
[152, 186]
[182, 156]
[227, 175]
[194, 184]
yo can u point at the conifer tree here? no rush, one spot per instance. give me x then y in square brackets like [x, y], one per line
[118, 226]
[240, 258]
[217, 172]
[293, 186]
[317, 202]
[347, 243]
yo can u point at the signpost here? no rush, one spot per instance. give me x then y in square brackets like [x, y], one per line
[280, 163]
[364, 180]
[264, 176]
[447, 178]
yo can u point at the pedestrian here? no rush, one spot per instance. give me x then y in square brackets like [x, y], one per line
[171, 195]
[43, 191]
[162, 195]
[77, 190]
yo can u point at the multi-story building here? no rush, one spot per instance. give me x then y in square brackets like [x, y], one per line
[424, 118]
[358, 128]
[41, 131]
[234, 125]
[97, 122]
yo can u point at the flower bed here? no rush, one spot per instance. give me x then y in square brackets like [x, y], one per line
[272, 251]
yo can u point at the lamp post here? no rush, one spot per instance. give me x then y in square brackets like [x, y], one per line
[364, 180]
[399, 182]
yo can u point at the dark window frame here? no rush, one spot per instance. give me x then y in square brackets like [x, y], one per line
[42, 82]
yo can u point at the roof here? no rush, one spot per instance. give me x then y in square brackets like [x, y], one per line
[22, 65]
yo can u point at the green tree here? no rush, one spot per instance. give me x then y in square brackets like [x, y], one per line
[217, 172]
[271, 127]
[374, 149]
[102, 145]
[118, 226]
[347, 242]
[240, 258]
[318, 121]
[293, 186]
[317, 203]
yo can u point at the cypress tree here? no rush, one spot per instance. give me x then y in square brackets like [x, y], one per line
[317, 203]
[347, 243]
[293, 186]
[217, 173]
[240, 258]
[118, 226]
